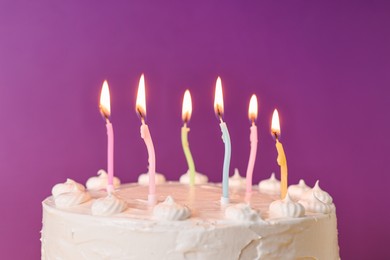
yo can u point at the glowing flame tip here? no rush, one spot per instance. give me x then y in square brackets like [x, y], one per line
[104, 105]
[218, 98]
[141, 98]
[275, 125]
[253, 108]
[187, 106]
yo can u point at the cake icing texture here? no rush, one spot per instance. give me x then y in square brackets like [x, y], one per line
[108, 206]
[286, 208]
[242, 212]
[199, 178]
[189, 223]
[170, 210]
[69, 193]
[143, 179]
[270, 186]
[296, 191]
[316, 200]
[100, 182]
[236, 181]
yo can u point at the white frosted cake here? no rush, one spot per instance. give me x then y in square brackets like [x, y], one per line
[188, 223]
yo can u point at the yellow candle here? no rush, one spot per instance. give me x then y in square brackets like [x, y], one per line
[282, 162]
[186, 115]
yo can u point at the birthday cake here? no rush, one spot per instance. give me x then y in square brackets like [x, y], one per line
[187, 223]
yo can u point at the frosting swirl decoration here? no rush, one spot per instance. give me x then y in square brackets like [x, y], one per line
[100, 182]
[286, 208]
[68, 186]
[199, 178]
[296, 191]
[69, 193]
[143, 179]
[108, 205]
[242, 212]
[270, 186]
[318, 201]
[170, 210]
[236, 181]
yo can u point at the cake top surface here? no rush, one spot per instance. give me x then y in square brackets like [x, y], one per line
[200, 202]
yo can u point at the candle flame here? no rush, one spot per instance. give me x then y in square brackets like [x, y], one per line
[253, 108]
[275, 125]
[104, 105]
[187, 106]
[218, 98]
[140, 106]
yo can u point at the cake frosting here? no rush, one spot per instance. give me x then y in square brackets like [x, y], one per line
[69, 193]
[143, 179]
[236, 181]
[199, 178]
[100, 182]
[170, 210]
[242, 212]
[190, 223]
[270, 186]
[318, 201]
[296, 191]
[68, 186]
[286, 208]
[108, 206]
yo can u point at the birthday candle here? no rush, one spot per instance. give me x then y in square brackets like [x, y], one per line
[275, 129]
[186, 115]
[218, 108]
[145, 134]
[252, 113]
[105, 110]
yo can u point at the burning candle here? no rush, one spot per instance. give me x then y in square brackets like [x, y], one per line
[145, 134]
[275, 129]
[186, 115]
[105, 110]
[218, 108]
[252, 113]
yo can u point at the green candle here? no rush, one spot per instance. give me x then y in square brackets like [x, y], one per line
[186, 115]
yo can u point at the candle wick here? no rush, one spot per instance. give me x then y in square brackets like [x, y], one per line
[141, 115]
[103, 112]
[107, 120]
[185, 123]
[276, 136]
[253, 122]
[219, 115]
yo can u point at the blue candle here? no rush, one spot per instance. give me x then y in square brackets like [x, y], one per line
[226, 162]
[218, 107]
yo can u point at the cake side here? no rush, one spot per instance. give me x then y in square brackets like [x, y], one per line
[74, 233]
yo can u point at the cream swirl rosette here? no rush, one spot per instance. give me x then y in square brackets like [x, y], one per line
[242, 212]
[171, 211]
[108, 205]
[100, 182]
[286, 208]
[296, 191]
[199, 178]
[317, 200]
[69, 193]
[143, 179]
[270, 186]
[236, 181]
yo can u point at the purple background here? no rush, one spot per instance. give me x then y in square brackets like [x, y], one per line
[324, 65]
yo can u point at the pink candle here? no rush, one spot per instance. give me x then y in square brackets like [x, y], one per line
[145, 134]
[252, 113]
[110, 156]
[105, 109]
